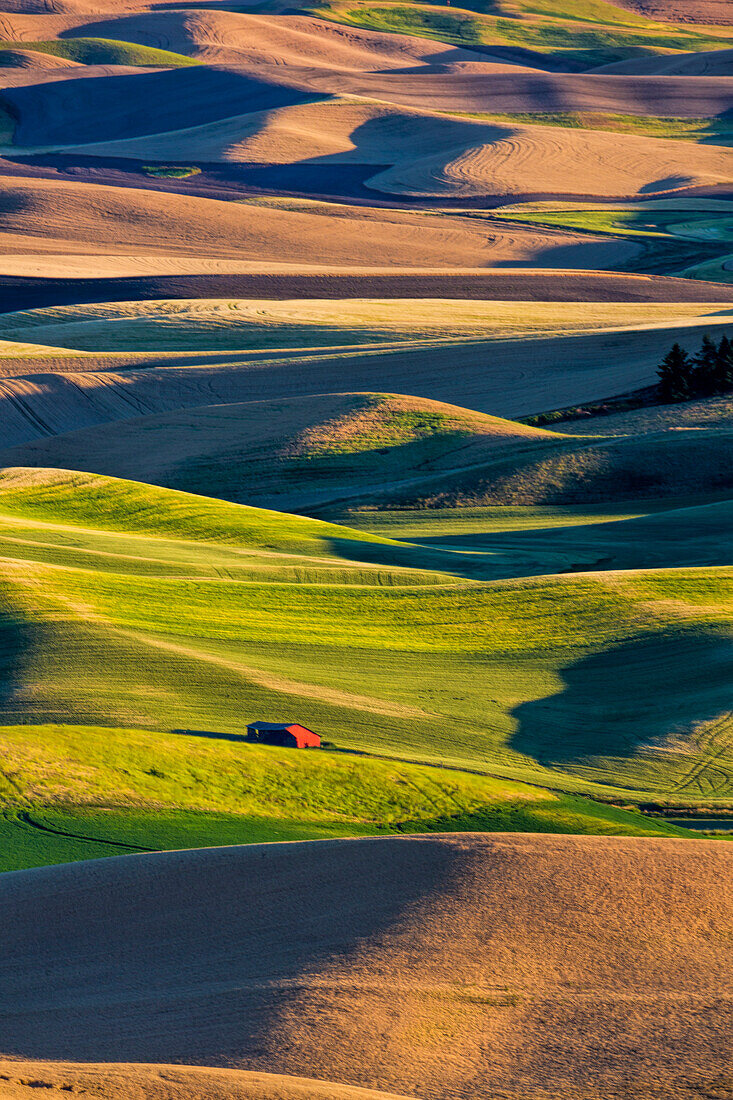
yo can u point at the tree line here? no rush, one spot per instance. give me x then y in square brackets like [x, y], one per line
[683, 377]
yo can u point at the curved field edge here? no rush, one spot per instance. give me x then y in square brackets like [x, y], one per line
[121, 1081]
[549, 948]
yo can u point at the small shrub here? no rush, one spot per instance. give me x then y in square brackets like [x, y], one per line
[171, 171]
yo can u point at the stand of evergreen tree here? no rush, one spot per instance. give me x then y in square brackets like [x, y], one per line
[708, 374]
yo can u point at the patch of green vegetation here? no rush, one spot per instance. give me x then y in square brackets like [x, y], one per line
[647, 219]
[103, 51]
[170, 171]
[719, 270]
[132, 508]
[579, 35]
[674, 237]
[565, 814]
[419, 524]
[83, 793]
[301, 329]
[709, 131]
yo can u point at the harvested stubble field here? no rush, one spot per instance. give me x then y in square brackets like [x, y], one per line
[275, 288]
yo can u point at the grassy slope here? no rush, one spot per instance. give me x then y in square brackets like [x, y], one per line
[576, 472]
[687, 536]
[516, 678]
[577, 33]
[247, 541]
[103, 51]
[78, 792]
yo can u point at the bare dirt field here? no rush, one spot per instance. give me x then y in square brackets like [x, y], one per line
[434, 156]
[714, 63]
[678, 96]
[514, 966]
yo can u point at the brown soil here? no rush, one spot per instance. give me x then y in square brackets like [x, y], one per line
[713, 63]
[344, 147]
[38, 215]
[666, 96]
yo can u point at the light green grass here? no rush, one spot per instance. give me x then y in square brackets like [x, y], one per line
[579, 33]
[103, 51]
[648, 541]
[647, 219]
[411, 524]
[517, 678]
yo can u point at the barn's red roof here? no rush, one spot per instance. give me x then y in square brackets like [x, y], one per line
[304, 737]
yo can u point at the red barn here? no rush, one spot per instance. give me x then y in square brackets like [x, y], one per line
[289, 735]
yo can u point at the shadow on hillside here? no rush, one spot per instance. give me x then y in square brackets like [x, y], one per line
[212, 735]
[17, 640]
[622, 699]
[116, 107]
[196, 957]
[410, 556]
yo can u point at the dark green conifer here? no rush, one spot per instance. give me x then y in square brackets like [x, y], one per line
[724, 367]
[704, 378]
[675, 375]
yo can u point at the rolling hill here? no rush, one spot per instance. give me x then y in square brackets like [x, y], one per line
[61, 216]
[354, 451]
[284, 612]
[97, 51]
[328, 348]
[228, 352]
[436, 966]
[444, 157]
